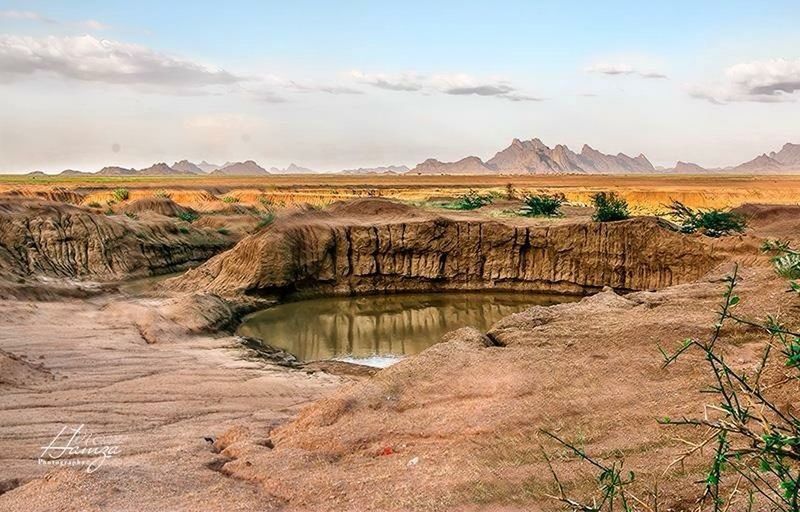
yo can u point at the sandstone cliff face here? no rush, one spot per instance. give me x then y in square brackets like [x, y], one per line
[51, 239]
[325, 254]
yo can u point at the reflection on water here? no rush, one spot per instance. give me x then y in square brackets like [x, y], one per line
[362, 328]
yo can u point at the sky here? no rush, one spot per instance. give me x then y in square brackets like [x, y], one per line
[342, 84]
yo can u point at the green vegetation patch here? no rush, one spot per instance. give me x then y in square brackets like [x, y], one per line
[542, 205]
[609, 207]
[712, 222]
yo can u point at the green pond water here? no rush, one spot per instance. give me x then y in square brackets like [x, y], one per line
[379, 330]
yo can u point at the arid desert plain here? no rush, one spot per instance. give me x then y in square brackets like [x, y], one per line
[128, 384]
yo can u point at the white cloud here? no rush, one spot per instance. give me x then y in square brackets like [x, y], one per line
[653, 75]
[91, 59]
[266, 95]
[401, 82]
[308, 86]
[766, 81]
[622, 69]
[92, 25]
[606, 68]
[273, 88]
[26, 15]
[100, 60]
[458, 84]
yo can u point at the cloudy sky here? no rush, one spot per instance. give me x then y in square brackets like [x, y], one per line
[339, 84]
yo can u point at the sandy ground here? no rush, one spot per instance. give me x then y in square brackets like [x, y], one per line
[456, 427]
[158, 402]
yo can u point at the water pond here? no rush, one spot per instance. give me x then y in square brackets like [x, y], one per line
[378, 330]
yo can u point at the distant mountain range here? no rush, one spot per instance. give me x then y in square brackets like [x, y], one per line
[292, 169]
[534, 157]
[246, 168]
[520, 157]
[390, 169]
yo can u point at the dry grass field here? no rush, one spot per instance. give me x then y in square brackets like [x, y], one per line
[646, 194]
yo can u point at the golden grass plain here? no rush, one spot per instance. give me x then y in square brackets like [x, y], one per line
[645, 194]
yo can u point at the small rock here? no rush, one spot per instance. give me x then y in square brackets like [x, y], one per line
[413, 462]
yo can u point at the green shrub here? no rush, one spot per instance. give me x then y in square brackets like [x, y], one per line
[751, 436]
[711, 222]
[223, 231]
[93, 204]
[184, 230]
[542, 205]
[609, 207]
[785, 259]
[230, 199]
[470, 201]
[188, 216]
[121, 194]
[266, 220]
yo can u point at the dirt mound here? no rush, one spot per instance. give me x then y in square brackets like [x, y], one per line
[42, 238]
[160, 205]
[461, 421]
[340, 252]
[252, 196]
[772, 220]
[17, 372]
[238, 225]
[189, 197]
[186, 198]
[373, 207]
[59, 194]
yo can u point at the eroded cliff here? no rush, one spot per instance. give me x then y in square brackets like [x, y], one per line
[43, 238]
[378, 246]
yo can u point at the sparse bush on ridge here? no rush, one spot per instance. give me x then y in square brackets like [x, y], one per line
[609, 207]
[161, 193]
[230, 199]
[121, 194]
[542, 205]
[266, 220]
[713, 222]
[472, 200]
[188, 216]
